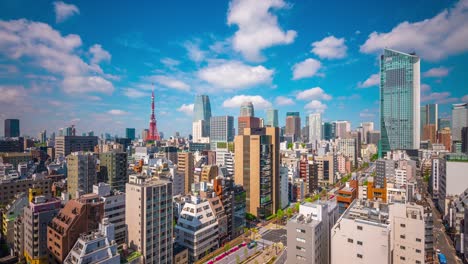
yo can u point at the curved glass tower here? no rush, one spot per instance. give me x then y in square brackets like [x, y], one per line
[202, 112]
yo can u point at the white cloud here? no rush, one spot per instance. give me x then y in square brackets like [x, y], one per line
[258, 27]
[117, 112]
[282, 100]
[169, 62]
[186, 109]
[315, 93]
[235, 75]
[64, 11]
[439, 98]
[134, 93]
[436, 72]
[465, 98]
[11, 93]
[306, 68]
[258, 101]
[330, 48]
[47, 49]
[315, 106]
[433, 39]
[373, 80]
[366, 113]
[170, 82]
[194, 51]
[425, 88]
[99, 54]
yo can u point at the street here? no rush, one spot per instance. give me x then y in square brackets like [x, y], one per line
[231, 259]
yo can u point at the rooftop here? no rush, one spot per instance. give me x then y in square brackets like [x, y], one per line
[369, 211]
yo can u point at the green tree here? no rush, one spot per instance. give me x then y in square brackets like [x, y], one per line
[296, 206]
[237, 259]
[290, 145]
[289, 211]
[227, 247]
[374, 157]
[279, 216]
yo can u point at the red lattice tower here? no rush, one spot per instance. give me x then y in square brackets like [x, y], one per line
[153, 129]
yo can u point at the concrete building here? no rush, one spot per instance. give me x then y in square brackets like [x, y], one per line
[315, 128]
[453, 180]
[10, 187]
[9, 216]
[257, 161]
[366, 128]
[209, 173]
[247, 109]
[185, 166]
[272, 118]
[444, 137]
[465, 140]
[14, 144]
[12, 128]
[459, 120]
[308, 233]
[293, 125]
[15, 158]
[82, 173]
[347, 195]
[80, 215]
[385, 169]
[399, 82]
[327, 167]
[95, 247]
[64, 145]
[221, 130]
[150, 224]
[130, 133]
[113, 169]
[341, 128]
[349, 148]
[247, 122]
[37, 215]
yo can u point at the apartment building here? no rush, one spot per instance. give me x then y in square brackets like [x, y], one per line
[64, 145]
[82, 173]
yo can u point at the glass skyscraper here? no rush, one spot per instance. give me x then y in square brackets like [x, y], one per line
[202, 111]
[12, 128]
[399, 100]
[429, 116]
[247, 109]
[272, 118]
[459, 119]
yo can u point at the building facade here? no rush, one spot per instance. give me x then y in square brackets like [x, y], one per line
[459, 119]
[293, 125]
[64, 145]
[82, 173]
[272, 118]
[113, 169]
[12, 128]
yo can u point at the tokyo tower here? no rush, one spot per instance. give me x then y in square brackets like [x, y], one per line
[153, 129]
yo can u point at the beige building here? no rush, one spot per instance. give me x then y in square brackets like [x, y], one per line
[148, 215]
[327, 166]
[9, 188]
[257, 169]
[15, 158]
[208, 173]
[65, 145]
[185, 165]
[82, 173]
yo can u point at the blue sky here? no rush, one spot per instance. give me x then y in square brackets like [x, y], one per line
[91, 63]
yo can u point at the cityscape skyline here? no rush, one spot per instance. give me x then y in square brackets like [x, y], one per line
[107, 86]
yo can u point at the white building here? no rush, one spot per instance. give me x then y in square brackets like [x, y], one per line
[366, 127]
[454, 181]
[348, 147]
[342, 128]
[315, 128]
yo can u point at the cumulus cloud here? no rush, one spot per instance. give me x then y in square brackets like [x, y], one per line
[169, 62]
[425, 88]
[186, 109]
[134, 93]
[436, 97]
[64, 11]
[117, 112]
[366, 113]
[48, 50]
[282, 100]
[194, 51]
[433, 39]
[373, 80]
[257, 27]
[315, 93]
[11, 93]
[170, 82]
[330, 48]
[306, 68]
[235, 75]
[315, 106]
[258, 101]
[437, 72]
[98, 54]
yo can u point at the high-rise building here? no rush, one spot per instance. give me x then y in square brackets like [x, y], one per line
[293, 125]
[348, 147]
[309, 232]
[64, 145]
[82, 173]
[247, 122]
[144, 133]
[444, 136]
[257, 169]
[43, 136]
[429, 116]
[153, 133]
[221, 130]
[443, 123]
[202, 112]
[37, 215]
[399, 100]
[464, 140]
[459, 120]
[130, 133]
[327, 166]
[149, 217]
[78, 216]
[452, 181]
[327, 131]
[366, 127]
[429, 133]
[247, 109]
[12, 212]
[342, 128]
[113, 169]
[272, 117]
[12, 128]
[315, 128]
[185, 166]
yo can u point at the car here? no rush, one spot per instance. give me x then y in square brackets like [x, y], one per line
[438, 250]
[252, 244]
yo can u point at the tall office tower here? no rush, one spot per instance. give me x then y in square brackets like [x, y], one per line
[12, 128]
[153, 133]
[348, 147]
[429, 115]
[257, 169]
[272, 118]
[202, 111]
[144, 133]
[443, 123]
[342, 128]
[113, 169]
[64, 145]
[198, 131]
[221, 130]
[247, 109]
[293, 125]
[430, 133]
[148, 216]
[130, 133]
[68, 131]
[78, 216]
[384, 169]
[43, 136]
[37, 215]
[247, 122]
[399, 100]
[315, 128]
[423, 119]
[459, 120]
[185, 165]
[464, 140]
[327, 131]
[366, 127]
[308, 232]
[82, 173]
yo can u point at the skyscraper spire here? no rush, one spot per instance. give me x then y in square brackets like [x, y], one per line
[153, 129]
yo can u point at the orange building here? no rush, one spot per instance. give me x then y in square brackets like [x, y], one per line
[347, 194]
[429, 133]
[445, 137]
[247, 122]
[379, 194]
